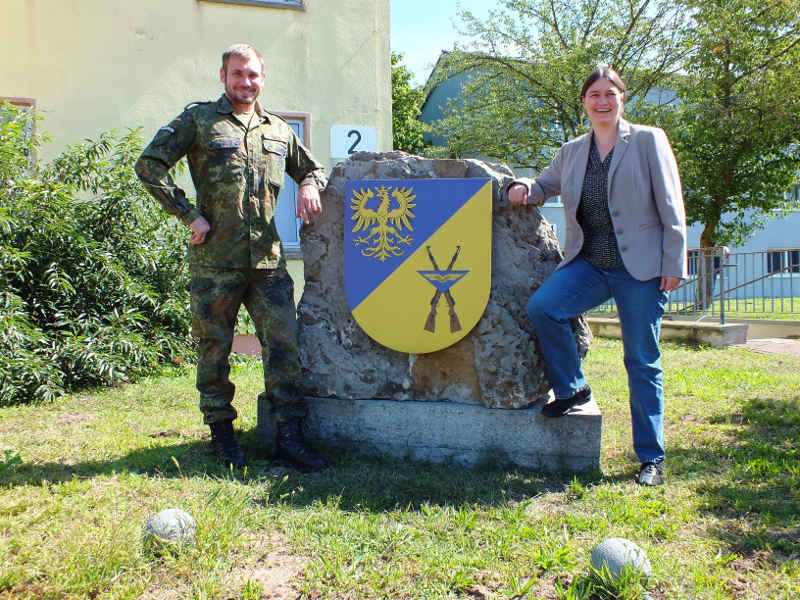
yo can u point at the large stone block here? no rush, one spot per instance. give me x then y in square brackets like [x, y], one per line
[449, 405]
[497, 365]
[463, 434]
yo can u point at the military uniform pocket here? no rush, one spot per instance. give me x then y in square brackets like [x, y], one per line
[275, 151]
[225, 157]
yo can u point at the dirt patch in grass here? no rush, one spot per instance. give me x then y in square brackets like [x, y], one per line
[22, 590]
[275, 569]
[197, 434]
[156, 593]
[75, 418]
[485, 587]
[660, 591]
[738, 588]
[545, 588]
[547, 503]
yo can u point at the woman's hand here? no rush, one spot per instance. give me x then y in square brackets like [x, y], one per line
[669, 283]
[518, 194]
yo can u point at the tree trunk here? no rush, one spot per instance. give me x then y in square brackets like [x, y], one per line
[706, 273]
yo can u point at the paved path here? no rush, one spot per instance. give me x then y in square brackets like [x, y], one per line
[246, 344]
[775, 346]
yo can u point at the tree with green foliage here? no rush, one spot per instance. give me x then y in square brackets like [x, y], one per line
[406, 102]
[93, 282]
[526, 62]
[735, 125]
[735, 121]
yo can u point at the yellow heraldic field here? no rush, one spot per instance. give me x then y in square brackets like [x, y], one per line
[399, 313]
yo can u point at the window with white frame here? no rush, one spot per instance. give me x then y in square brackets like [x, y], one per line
[295, 4]
[25, 103]
[694, 264]
[794, 194]
[780, 262]
[691, 263]
[286, 211]
[28, 104]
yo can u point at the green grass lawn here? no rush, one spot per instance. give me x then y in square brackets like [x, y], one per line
[776, 309]
[78, 480]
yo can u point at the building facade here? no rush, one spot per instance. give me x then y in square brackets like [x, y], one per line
[89, 66]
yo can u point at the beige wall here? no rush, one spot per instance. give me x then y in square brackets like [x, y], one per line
[93, 65]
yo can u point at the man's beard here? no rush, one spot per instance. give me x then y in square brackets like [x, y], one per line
[243, 97]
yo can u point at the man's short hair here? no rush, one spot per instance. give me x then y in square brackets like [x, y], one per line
[245, 51]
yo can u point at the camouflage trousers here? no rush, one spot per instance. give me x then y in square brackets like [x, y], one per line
[268, 295]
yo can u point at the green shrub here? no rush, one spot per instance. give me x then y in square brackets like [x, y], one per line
[93, 281]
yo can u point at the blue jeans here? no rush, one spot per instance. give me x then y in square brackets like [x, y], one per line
[578, 287]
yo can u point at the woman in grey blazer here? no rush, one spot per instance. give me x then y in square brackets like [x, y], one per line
[626, 239]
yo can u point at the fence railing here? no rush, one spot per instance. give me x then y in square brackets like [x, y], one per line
[743, 284]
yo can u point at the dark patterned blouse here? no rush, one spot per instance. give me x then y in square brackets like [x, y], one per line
[599, 242]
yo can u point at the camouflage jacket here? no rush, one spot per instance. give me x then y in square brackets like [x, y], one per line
[238, 175]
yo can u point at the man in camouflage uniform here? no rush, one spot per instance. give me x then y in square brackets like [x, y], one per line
[238, 154]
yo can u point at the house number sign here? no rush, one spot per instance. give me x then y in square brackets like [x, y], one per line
[349, 139]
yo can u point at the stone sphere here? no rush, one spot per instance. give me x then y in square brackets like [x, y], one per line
[616, 553]
[171, 525]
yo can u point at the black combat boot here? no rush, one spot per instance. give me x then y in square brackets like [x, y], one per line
[225, 445]
[292, 447]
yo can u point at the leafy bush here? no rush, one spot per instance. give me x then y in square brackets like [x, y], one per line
[93, 281]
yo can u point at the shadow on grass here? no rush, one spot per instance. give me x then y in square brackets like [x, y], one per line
[354, 481]
[752, 482]
[375, 484]
[183, 459]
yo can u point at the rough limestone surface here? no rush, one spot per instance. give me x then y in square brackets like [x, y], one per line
[496, 365]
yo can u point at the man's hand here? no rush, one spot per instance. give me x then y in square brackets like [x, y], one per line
[669, 283]
[518, 194]
[200, 228]
[308, 202]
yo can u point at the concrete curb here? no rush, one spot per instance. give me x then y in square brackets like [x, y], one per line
[707, 334]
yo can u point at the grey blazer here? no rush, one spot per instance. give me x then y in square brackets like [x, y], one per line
[644, 199]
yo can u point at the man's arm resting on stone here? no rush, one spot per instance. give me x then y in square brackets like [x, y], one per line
[308, 199]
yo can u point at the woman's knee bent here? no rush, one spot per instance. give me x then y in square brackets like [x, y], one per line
[538, 307]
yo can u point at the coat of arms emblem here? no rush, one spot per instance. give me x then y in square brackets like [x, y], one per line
[398, 236]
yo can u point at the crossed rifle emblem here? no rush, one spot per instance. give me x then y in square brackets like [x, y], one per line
[443, 281]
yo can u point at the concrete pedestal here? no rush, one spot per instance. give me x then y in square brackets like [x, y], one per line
[692, 332]
[466, 434]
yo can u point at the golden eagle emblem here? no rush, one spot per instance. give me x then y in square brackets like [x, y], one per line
[383, 226]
